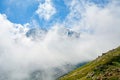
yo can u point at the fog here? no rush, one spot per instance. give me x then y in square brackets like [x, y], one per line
[48, 54]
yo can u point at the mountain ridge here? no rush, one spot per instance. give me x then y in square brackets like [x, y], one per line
[105, 67]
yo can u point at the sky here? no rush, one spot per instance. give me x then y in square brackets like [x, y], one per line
[45, 36]
[45, 12]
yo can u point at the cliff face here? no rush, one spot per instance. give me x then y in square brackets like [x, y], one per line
[105, 67]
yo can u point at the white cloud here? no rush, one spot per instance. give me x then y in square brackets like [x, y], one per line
[46, 10]
[20, 56]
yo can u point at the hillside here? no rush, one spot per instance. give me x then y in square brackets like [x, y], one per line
[105, 67]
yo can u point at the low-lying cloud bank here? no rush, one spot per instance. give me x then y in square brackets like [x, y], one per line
[25, 57]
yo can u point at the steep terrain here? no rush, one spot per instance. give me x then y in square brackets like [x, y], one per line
[105, 67]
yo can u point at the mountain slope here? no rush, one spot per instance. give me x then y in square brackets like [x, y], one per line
[105, 67]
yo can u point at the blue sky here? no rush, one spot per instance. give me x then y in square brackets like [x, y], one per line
[23, 11]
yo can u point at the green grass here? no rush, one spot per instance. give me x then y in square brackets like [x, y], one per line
[105, 67]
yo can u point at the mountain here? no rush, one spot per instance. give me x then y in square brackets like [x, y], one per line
[39, 33]
[36, 33]
[105, 67]
[69, 33]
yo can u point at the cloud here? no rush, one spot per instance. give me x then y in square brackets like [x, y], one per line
[46, 10]
[23, 58]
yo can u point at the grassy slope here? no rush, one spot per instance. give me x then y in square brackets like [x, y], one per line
[105, 67]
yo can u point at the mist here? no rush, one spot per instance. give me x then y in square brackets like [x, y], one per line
[37, 54]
